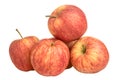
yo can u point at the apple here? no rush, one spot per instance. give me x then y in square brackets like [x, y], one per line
[67, 23]
[19, 51]
[50, 57]
[89, 55]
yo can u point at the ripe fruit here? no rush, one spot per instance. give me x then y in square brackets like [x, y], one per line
[19, 51]
[50, 57]
[67, 23]
[89, 55]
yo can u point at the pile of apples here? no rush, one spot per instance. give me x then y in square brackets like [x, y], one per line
[51, 56]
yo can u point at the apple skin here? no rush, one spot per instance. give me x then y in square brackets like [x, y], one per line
[89, 55]
[50, 57]
[70, 45]
[19, 51]
[67, 23]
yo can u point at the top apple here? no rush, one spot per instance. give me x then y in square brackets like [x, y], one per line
[67, 23]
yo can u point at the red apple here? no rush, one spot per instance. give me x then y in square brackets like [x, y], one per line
[89, 55]
[19, 51]
[50, 57]
[67, 23]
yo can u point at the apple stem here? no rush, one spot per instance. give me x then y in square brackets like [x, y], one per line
[19, 33]
[50, 16]
[83, 49]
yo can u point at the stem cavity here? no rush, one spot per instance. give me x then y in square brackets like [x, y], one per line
[83, 49]
[52, 44]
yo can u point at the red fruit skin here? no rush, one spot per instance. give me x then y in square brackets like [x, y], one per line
[70, 45]
[68, 24]
[89, 55]
[19, 52]
[50, 57]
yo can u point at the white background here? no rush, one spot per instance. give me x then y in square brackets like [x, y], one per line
[28, 16]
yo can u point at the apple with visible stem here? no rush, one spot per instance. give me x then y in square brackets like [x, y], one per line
[67, 23]
[50, 57]
[19, 51]
[89, 55]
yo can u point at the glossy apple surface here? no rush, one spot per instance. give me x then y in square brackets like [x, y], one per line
[67, 23]
[19, 51]
[89, 55]
[50, 57]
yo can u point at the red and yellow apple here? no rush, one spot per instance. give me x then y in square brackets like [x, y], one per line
[89, 55]
[67, 23]
[50, 57]
[19, 51]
